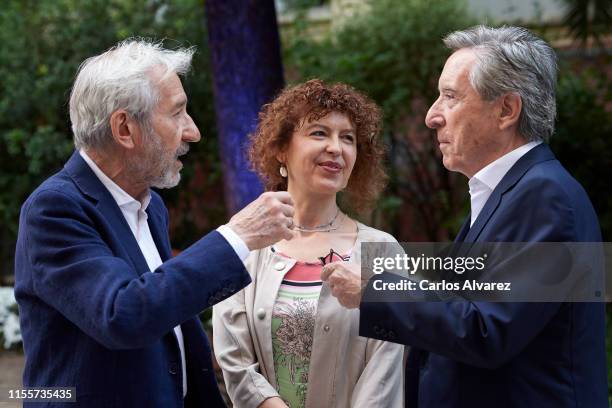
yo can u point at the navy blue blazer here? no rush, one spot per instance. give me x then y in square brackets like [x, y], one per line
[481, 354]
[92, 314]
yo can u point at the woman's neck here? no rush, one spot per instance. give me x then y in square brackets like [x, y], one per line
[313, 210]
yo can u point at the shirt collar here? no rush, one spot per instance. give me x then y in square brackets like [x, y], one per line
[122, 198]
[494, 172]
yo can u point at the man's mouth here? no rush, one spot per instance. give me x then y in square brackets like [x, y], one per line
[182, 150]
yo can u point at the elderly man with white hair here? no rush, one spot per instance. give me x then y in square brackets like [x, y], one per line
[104, 308]
[494, 113]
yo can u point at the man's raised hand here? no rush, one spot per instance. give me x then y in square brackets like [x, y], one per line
[265, 221]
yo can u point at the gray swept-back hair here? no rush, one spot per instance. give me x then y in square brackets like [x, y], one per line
[120, 79]
[512, 59]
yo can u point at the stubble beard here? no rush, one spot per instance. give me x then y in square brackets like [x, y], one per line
[157, 167]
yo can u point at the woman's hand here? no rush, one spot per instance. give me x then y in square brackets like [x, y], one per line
[274, 402]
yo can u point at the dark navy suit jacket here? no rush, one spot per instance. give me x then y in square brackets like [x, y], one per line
[93, 316]
[480, 354]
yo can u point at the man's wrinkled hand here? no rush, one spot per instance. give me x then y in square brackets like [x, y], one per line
[344, 280]
[265, 221]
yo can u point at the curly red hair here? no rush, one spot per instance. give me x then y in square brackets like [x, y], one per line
[310, 101]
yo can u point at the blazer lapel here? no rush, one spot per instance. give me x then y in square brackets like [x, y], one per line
[159, 231]
[91, 186]
[536, 155]
[464, 229]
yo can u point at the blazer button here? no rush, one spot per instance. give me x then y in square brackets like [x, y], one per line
[279, 266]
[326, 328]
[173, 368]
[261, 313]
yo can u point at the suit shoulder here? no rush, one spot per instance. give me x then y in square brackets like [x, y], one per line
[59, 186]
[548, 195]
[552, 180]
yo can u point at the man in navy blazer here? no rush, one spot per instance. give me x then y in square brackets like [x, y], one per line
[496, 108]
[104, 308]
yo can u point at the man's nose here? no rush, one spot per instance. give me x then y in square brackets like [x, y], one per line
[434, 119]
[191, 133]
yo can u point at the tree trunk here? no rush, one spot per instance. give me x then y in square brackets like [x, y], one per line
[247, 73]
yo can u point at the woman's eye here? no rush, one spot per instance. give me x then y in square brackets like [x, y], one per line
[350, 138]
[318, 133]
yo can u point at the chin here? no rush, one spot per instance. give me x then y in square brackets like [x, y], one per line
[168, 180]
[327, 189]
[448, 164]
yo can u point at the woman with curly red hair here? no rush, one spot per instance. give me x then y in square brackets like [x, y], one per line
[284, 341]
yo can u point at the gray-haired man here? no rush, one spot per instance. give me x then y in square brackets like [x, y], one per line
[103, 306]
[495, 109]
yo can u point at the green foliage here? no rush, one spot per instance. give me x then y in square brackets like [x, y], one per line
[588, 18]
[43, 43]
[393, 51]
[300, 5]
[582, 139]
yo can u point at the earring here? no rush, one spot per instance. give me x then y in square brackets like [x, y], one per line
[283, 171]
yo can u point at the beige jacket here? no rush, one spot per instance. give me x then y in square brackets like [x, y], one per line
[345, 370]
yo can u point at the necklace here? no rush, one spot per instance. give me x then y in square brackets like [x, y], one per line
[327, 227]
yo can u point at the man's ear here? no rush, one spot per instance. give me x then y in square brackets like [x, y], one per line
[511, 107]
[125, 130]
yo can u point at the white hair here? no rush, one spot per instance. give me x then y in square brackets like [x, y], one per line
[120, 79]
[512, 59]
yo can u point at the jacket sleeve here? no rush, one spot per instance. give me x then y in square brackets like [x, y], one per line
[235, 352]
[74, 270]
[381, 383]
[482, 334]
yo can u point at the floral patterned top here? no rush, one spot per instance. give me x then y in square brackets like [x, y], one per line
[293, 322]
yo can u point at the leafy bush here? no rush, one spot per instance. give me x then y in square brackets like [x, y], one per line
[582, 140]
[43, 43]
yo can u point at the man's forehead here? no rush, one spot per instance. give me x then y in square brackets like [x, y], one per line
[169, 85]
[457, 68]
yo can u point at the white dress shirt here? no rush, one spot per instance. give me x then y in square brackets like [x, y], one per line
[135, 214]
[484, 182]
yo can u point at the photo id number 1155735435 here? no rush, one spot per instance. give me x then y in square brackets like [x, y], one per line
[40, 394]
